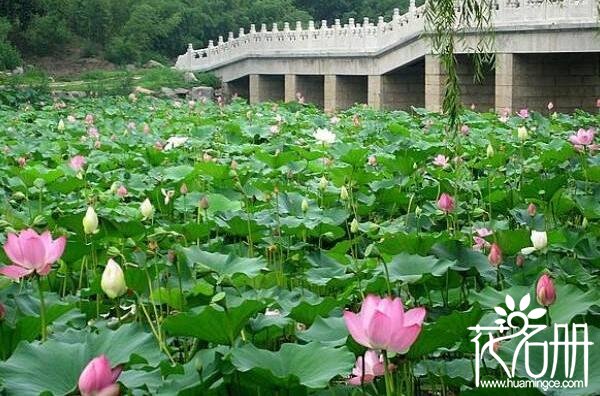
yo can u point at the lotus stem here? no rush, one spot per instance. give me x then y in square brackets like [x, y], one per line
[42, 309]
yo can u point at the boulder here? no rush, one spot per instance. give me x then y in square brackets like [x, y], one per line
[18, 71]
[202, 93]
[143, 91]
[152, 64]
[130, 67]
[181, 92]
[168, 92]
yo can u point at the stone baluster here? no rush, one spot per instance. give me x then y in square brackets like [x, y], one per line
[252, 28]
[351, 23]
[412, 8]
[220, 40]
[324, 24]
[230, 36]
[286, 27]
[211, 44]
[311, 25]
[275, 28]
[298, 26]
[241, 32]
[263, 28]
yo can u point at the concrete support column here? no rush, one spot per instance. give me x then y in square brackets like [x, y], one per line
[504, 82]
[375, 91]
[330, 93]
[291, 87]
[254, 87]
[435, 79]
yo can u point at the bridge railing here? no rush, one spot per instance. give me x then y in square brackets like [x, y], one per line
[366, 37]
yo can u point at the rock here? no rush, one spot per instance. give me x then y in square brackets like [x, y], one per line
[189, 77]
[181, 92]
[143, 91]
[202, 93]
[168, 92]
[152, 64]
[18, 71]
[130, 67]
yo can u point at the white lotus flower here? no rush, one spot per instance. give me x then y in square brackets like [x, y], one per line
[324, 136]
[539, 240]
[174, 142]
[146, 209]
[113, 280]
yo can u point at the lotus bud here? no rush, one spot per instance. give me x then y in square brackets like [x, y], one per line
[113, 280]
[490, 151]
[520, 260]
[203, 203]
[446, 203]
[495, 256]
[584, 223]
[539, 239]
[146, 209]
[464, 130]
[531, 209]
[90, 221]
[99, 379]
[354, 226]
[545, 292]
[344, 193]
[522, 133]
[183, 189]
[496, 346]
[22, 161]
[323, 183]
[550, 106]
[61, 125]
[372, 160]
[304, 205]
[418, 211]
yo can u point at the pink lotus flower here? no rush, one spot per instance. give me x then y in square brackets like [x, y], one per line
[532, 209]
[545, 292]
[464, 130]
[30, 252]
[446, 203]
[93, 133]
[582, 139]
[22, 161]
[89, 119]
[550, 106]
[77, 162]
[483, 232]
[504, 115]
[366, 369]
[122, 191]
[480, 243]
[383, 324]
[495, 256]
[98, 379]
[523, 113]
[441, 161]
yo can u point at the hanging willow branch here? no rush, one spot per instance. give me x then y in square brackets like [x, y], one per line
[447, 21]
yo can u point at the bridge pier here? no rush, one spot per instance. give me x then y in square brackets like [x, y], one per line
[375, 91]
[342, 92]
[435, 79]
[266, 87]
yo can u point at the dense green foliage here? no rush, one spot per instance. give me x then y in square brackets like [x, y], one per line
[128, 31]
[261, 236]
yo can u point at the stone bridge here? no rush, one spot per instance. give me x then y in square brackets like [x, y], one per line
[545, 50]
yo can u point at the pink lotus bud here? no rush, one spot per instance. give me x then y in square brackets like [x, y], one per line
[171, 256]
[97, 144]
[97, 378]
[203, 203]
[598, 103]
[496, 346]
[122, 191]
[446, 203]
[22, 161]
[532, 209]
[372, 160]
[520, 260]
[131, 125]
[183, 189]
[158, 145]
[472, 106]
[89, 119]
[550, 106]
[464, 130]
[356, 120]
[495, 256]
[146, 128]
[93, 133]
[545, 292]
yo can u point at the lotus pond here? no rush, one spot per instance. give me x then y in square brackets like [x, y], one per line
[164, 248]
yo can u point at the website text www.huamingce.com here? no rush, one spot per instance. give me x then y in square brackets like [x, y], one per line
[529, 383]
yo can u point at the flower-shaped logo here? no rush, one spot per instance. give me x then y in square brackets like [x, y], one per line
[506, 317]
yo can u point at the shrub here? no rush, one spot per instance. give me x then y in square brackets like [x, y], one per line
[47, 34]
[9, 56]
[122, 51]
